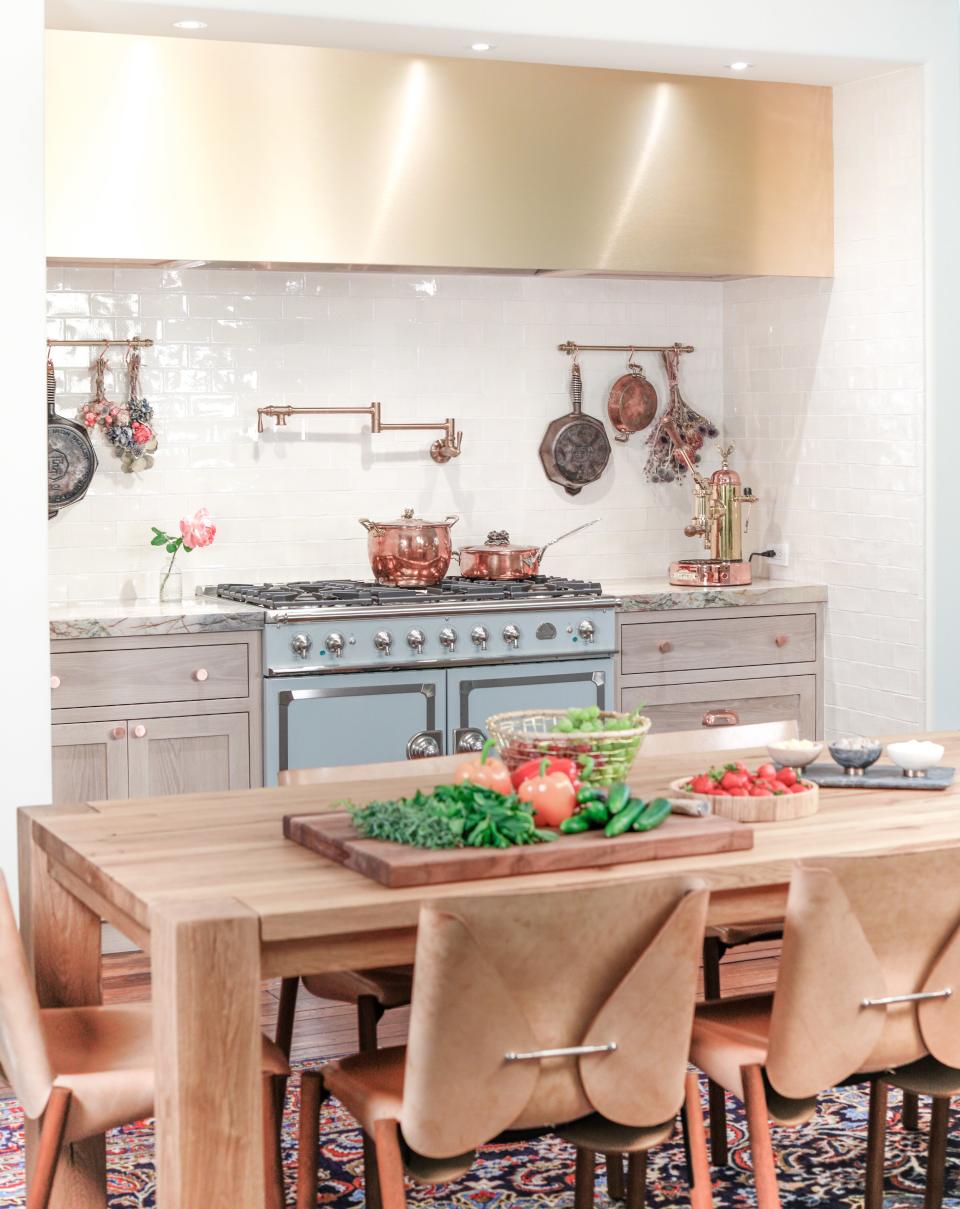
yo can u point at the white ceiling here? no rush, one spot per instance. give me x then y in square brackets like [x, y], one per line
[606, 33]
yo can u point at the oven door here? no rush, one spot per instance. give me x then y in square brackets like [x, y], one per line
[321, 721]
[474, 693]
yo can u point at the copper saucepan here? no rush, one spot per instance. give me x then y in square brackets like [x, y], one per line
[499, 558]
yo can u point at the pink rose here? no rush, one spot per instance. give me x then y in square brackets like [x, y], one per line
[200, 531]
[141, 433]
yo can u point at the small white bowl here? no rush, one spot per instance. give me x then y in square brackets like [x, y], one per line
[915, 756]
[797, 754]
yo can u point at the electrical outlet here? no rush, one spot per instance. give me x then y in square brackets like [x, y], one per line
[781, 554]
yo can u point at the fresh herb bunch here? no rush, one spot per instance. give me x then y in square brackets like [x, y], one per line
[451, 816]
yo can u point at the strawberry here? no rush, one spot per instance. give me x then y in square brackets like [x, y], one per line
[767, 772]
[739, 792]
[787, 776]
[734, 780]
[702, 784]
[798, 788]
[758, 792]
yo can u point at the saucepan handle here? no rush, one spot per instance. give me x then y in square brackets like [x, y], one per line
[369, 525]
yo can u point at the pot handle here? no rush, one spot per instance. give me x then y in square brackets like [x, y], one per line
[369, 525]
[451, 520]
[455, 554]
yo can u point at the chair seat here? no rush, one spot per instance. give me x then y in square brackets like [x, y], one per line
[369, 1085]
[104, 1057]
[928, 1077]
[746, 934]
[391, 987]
[729, 1034]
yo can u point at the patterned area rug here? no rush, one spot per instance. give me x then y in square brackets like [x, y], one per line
[820, 1165]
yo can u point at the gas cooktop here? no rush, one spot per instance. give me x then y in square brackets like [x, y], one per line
[353, 593]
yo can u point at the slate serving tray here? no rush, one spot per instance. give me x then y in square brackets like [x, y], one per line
[878, 776]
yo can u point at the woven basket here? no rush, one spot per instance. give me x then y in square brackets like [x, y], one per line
[530, 734]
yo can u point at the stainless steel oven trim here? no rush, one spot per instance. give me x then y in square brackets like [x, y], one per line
[286, 698]
[330, 669]
[467, 686]
[449, 609]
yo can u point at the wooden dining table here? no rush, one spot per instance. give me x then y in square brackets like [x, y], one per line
[210, 888]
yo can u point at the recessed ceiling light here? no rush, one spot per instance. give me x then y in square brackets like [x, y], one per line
[189, 25]
[740, 65]
[481, 46]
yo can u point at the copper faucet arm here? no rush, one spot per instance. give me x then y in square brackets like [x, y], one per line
[441, 450]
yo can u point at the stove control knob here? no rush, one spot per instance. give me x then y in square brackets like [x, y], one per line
[383, 641]
[448, 637]
[511, 636]
[300, 644]
[586, 631]
[481, 636]
[334, 644]
[415, 641]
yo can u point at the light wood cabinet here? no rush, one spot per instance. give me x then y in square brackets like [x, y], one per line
[89, 761]
[745, 664]
[192, 754]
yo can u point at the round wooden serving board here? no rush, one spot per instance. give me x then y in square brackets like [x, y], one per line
[757, 810]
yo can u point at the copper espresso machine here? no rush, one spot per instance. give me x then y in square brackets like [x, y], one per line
[717, 514]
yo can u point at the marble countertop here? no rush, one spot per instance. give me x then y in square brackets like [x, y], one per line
[206, 614]
[657, 595]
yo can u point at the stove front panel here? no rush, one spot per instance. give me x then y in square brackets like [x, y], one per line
[390, 641]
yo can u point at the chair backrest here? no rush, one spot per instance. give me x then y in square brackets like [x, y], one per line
[23, 1051]
[858, 930]
[432, 769]
[717, 738]
[498, 975]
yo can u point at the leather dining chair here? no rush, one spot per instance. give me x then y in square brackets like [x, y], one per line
[870, 961]
[80, 1071]
[928, 1077]
[550, 1012]
[718, 940]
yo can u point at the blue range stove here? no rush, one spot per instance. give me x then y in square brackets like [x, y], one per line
[357, 672]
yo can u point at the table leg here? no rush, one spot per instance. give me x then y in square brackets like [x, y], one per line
[205, 962]
[62, 940]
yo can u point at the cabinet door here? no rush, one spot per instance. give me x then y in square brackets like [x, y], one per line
[89, 761]
[764, 699]
[195, 754]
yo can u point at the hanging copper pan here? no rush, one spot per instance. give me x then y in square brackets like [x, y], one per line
[632, 403]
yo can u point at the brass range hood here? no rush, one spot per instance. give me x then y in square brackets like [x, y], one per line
[234, 153]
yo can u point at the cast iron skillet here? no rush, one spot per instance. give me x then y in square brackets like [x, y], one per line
[71, 461]
[575, 448]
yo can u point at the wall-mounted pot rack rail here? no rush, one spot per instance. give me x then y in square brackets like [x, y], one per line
[442, 450]
[132, 342]
[571, 348]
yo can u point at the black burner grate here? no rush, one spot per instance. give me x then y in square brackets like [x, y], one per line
[353, 593]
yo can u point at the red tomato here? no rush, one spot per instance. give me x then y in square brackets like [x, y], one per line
[739, 792]
[702, 784]
[758, 792]
[787, 776]
[733, 780]
[767, 772]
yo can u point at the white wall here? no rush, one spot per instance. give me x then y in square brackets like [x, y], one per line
[824, 394]
[25, 746]
[480, 348]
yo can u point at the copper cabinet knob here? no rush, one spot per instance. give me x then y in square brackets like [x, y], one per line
[201, 674]
[54, 681]
[665, 647]
[118, 732]
[782, 639]
[720, 717]
[139, 731]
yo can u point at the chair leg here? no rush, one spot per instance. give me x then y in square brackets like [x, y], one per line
[701, 1194]
[371, 1176]
[637, 1180]
[48, 1152]
[584, 1171]
[910, 1118]
[312, 1095]
[937, 1152]
[275, 1194]
[369, 1011]
[761, 1145]
[386, 1139]
[876, 1138]
[615, 1186]
[286, 1014]
[712, 953]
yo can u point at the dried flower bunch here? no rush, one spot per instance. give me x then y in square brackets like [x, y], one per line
[665, 463]
[128, 427]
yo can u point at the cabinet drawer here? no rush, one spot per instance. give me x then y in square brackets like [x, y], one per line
[766, 699]
[139, 676]
[685, 646]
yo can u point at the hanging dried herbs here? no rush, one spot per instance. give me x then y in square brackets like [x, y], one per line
[665, 462]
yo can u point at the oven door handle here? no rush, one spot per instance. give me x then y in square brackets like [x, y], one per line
[468, 738]
[424, 745]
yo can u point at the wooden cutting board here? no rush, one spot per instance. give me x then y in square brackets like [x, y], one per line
[333, 835]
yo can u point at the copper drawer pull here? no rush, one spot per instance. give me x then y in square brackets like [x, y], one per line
[721, 717]
[139, 731]
[665, 647]
[54, 681]
[200, 675]
[118, 732]
[781, 639]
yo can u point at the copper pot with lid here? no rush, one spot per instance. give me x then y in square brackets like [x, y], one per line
[409, 552]
[499, 558]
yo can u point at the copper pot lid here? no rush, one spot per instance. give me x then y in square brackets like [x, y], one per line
[499, 539]
[409, 521]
